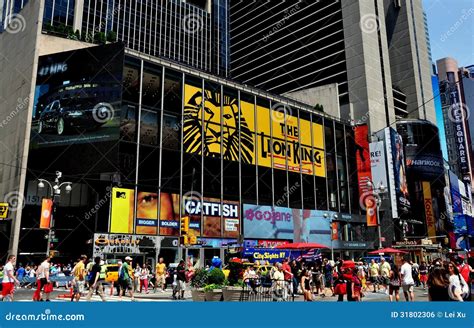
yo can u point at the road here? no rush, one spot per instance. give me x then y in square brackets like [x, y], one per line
[57, 295]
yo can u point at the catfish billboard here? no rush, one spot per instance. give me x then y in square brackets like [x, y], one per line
[268, 136]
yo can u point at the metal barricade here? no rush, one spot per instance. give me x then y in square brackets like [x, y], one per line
[267, 290]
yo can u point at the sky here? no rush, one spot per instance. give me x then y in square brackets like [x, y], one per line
[451, 29]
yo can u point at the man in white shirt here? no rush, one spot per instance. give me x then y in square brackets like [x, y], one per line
[407, 280]
[9, 280]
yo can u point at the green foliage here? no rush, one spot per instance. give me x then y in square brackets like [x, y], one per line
[199, 280]
[236, 272]
[211, 287]
[99, 38]
[111, 36]
[216, 276]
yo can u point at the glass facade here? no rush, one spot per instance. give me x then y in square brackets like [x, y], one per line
[197, 136]
[59, 12]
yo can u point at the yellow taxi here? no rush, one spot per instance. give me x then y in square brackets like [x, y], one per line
[111, 272]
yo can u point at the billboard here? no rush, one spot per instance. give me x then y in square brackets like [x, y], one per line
[220, 123]
[364, 174]
[77, 96]
[378, 166]
[120, 244]
[169, 214]
[267, 222]
[146, 222]
[397, 173]
[3, 211]
[428, 205]
[266, 254]
[219, 219]
[121, 212]
[455, 193]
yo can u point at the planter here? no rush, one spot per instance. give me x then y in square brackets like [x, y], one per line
[198, 294]
[213, 296]
[232, 293]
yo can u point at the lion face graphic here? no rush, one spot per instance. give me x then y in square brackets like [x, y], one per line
[210, 134]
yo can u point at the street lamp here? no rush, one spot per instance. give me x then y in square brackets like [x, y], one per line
[377, 192]
[55, 191]
[330, 222]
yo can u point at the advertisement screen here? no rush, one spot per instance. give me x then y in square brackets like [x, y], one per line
[267, 222]
[77, 96]
[122, 208]
[169, 214]
[212, 210]
[147, 213]
[221, 133]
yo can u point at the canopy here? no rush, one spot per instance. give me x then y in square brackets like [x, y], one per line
[301, 246]
[388, 250]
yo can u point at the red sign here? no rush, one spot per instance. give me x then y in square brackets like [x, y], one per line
[46, 207]
[334, 231]
[364, 175]
[271, 243]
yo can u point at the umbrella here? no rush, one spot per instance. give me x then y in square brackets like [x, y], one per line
[301, 246]
[388, 250]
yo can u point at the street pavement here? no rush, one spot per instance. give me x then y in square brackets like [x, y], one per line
[24, 295]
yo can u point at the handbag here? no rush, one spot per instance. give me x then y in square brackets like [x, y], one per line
[340, 288]
[48, 288]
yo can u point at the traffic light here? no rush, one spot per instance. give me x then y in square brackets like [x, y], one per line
[183, 240]
[193, 240]
[184, 225]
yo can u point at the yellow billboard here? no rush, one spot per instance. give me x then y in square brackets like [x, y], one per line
[122, 208]
[211, 127]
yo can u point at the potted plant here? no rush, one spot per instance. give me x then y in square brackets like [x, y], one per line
[213, 289]
[232, 291]
[198, 281]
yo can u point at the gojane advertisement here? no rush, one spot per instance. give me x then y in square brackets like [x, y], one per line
[77, 97]
[287, 148]
[267, 222]
[212, 210]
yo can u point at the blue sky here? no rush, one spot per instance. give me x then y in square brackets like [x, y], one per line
[451, 29]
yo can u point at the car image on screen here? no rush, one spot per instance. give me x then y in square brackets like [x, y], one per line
[68, 115]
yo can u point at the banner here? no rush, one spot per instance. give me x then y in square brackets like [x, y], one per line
[169, 214]
[361, 135]
[105, 243]
[378, 166]
[334, 231]
[266, 254]
[122, 210]
[46, 208]
[212, 210]
[428, 205]
[146, 222]
[288, 149]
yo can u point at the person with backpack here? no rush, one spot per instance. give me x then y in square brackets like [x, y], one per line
[125, 276]
[95, 280]
[466, 271]
[458, 288]
[394, 284]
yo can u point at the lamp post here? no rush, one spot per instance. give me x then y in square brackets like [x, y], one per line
[55, 191]
[330, 222]
[377, 192]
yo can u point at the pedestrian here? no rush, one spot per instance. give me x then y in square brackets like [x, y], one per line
[160, 272]
[144, 278]
[294, 271]
[95, 281]
[317, 281]
[43, 280]
[394, 284]
[374, 274]
[78, 282]
[20, 274]
[415, 272]
[278, 282]
[180, 279]
[356, 286]
[407, 279]
[466, 271]
[362, 277]
[136, 277]
[305, 286]
[286, 269]
[384, 274]
[9, 280]
[438, 284]
[458, 288]
[125, 275]
[118, 283]
[423, 274]
[328, 276]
